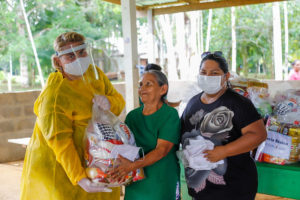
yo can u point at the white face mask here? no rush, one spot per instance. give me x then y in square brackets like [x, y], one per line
[210, 84]
[78, 67]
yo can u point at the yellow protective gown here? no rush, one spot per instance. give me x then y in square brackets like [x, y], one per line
[54, 160]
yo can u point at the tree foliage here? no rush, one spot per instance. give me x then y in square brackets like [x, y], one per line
[100, 21]
[96, 20]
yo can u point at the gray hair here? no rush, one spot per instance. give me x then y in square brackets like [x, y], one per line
[161, 80]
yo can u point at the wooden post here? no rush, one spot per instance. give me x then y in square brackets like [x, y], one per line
[130, 53]
[150, 19]
[277, 48]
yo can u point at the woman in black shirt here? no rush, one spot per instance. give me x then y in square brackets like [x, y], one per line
[232, 123]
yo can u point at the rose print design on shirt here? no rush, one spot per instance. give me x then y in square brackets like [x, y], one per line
[214, 126]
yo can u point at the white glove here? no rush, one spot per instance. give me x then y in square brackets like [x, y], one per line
[91, 187]
[102, 102]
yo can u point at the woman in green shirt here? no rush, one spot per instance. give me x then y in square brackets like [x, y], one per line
[156, 128]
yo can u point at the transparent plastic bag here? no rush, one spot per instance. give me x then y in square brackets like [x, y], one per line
[260, 99]
[287, 107]
[282, 130]
[107, 137]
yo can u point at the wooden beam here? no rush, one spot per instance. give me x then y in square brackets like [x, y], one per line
[114, 1]
[180, 2]
[118, 2]
[208, 5]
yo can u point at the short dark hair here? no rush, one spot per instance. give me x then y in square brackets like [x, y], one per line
[152, 66]
[218, 57]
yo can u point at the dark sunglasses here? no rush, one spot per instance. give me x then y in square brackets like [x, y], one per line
[215, 54]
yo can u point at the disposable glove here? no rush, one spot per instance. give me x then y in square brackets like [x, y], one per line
[91, 187]
[102, 102]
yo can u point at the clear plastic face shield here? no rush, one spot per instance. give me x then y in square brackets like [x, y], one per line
[77, 59]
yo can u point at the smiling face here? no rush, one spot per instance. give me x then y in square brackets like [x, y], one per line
[149, 89]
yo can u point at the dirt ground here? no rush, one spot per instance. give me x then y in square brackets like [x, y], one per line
[10, 174]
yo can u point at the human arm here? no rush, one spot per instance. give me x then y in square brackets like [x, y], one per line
[56, 126]
[115, 99]
[168, 136]
[252, 136]
[162, 148]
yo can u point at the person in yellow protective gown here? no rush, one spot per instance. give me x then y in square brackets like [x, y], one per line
[54, 160]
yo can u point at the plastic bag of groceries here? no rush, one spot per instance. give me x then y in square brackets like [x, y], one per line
[259, 95]
[287, 107]
[107, 137]
[282, 145]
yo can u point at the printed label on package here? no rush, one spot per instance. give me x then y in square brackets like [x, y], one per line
[278, 145]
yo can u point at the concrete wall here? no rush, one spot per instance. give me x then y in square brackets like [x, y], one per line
[17, 120]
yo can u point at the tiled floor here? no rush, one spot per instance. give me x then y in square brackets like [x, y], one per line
[10, 174]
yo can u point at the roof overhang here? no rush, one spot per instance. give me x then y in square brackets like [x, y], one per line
[174, 6]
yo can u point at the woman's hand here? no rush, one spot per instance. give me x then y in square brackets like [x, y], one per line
[218, 153]
[91, 187]
[163, 147]
[119, 173]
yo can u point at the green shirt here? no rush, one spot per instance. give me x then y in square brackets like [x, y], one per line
[162, 177]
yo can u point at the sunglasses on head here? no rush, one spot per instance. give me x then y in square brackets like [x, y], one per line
[215, 54]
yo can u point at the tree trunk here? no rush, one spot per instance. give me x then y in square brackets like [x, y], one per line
[286, 40]
[208, 30]
[33, 45]
[160, 48]
[245, 69]
[233, 40]
[150, 37]
[201, 44]
[168, 36]
[181, 46]
[195, 44]
[277, 48]
[23, 57]
[9, 75]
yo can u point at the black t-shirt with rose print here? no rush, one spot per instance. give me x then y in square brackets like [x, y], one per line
[221, 122]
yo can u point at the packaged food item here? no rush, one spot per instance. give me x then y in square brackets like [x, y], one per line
[295, 151]
[273, 125]
[107, 137]
[287, 107]
[273, 159]
[240, 86]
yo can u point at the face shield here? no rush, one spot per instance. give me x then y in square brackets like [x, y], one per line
[78, 59]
